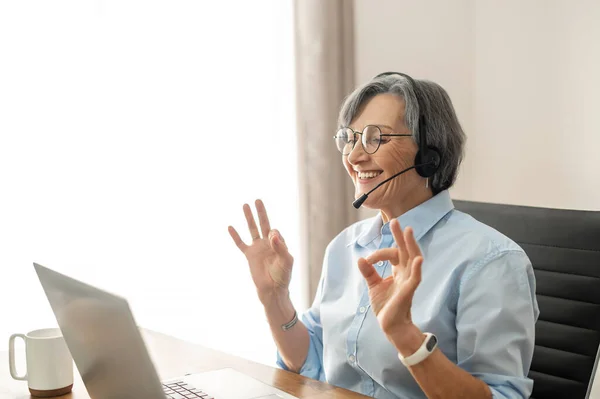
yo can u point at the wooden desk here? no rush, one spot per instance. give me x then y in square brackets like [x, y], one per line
[174, 358]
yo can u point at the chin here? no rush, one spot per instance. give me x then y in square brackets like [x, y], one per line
[368, 205]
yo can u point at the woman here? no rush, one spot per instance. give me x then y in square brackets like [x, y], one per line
[442, 309]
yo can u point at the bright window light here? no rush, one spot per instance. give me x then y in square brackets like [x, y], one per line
[131, 134]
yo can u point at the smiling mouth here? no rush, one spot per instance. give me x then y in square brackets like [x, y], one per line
[366, 177]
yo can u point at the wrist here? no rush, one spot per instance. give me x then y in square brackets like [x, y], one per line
[274, 297]
[408, 340]
[279, 309]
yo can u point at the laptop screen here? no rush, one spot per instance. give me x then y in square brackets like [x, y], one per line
[103, 338]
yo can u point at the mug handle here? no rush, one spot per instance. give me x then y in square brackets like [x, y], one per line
[11, 357]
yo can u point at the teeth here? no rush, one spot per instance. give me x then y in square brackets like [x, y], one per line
[367, 175]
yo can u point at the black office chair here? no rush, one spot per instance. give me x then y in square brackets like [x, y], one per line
[564, 248]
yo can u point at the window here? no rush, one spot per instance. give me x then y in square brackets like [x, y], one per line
[131, 134]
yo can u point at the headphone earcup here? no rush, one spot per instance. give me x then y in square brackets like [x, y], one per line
[429, 161]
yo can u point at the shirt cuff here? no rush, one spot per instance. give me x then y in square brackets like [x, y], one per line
[505, 387]
[312, 365]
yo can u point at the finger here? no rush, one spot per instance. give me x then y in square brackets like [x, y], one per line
[280, 248]
[399, 238]
[236, 239]
[263, 219]
[277, 242]
[251, 223]
[411, 244]
[390, 254]
[369, 273]
[405, 296]
[275, 232]
[414, 278]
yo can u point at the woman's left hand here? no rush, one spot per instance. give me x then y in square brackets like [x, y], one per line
[391, 298]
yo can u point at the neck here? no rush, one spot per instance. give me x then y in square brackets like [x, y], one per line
[409, 201]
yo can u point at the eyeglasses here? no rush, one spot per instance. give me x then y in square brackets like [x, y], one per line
[371, 139]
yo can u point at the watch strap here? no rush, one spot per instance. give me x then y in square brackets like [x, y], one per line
[426, 348]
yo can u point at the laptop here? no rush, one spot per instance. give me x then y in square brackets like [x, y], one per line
[111, 355]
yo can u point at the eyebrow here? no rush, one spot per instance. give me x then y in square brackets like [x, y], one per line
[379, 126]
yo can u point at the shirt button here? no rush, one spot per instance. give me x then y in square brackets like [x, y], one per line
[351, 358]
[362, 309]
[380, 263]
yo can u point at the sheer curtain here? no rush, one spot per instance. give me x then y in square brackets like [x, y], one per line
[131, 133]
[325, 75]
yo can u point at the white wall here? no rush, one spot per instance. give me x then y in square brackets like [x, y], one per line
[523, 78]
[536, 95]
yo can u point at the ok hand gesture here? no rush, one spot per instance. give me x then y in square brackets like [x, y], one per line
[391, 298]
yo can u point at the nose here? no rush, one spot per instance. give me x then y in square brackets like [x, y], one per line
[358, 154]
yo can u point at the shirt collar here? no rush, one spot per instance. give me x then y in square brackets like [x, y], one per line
[421, 218]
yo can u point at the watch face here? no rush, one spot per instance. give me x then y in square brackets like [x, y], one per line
[431, 343]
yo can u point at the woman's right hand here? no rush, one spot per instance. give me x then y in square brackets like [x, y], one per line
[268, 257]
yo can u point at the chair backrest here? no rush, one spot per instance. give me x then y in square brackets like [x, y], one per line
[564, 248]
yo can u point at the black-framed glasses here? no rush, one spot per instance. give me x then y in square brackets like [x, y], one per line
[371, 139]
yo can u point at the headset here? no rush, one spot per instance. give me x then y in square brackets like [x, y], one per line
[428, 158]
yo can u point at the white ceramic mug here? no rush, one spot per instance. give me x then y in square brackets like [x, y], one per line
[49, 362]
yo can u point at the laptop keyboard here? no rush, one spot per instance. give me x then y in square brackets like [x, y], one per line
[181, 390]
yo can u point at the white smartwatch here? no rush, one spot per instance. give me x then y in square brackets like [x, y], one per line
[427, 347]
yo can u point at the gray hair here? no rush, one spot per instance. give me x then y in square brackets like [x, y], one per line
[443, 128]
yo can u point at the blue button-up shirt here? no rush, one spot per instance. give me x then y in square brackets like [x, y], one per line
[477, 295]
